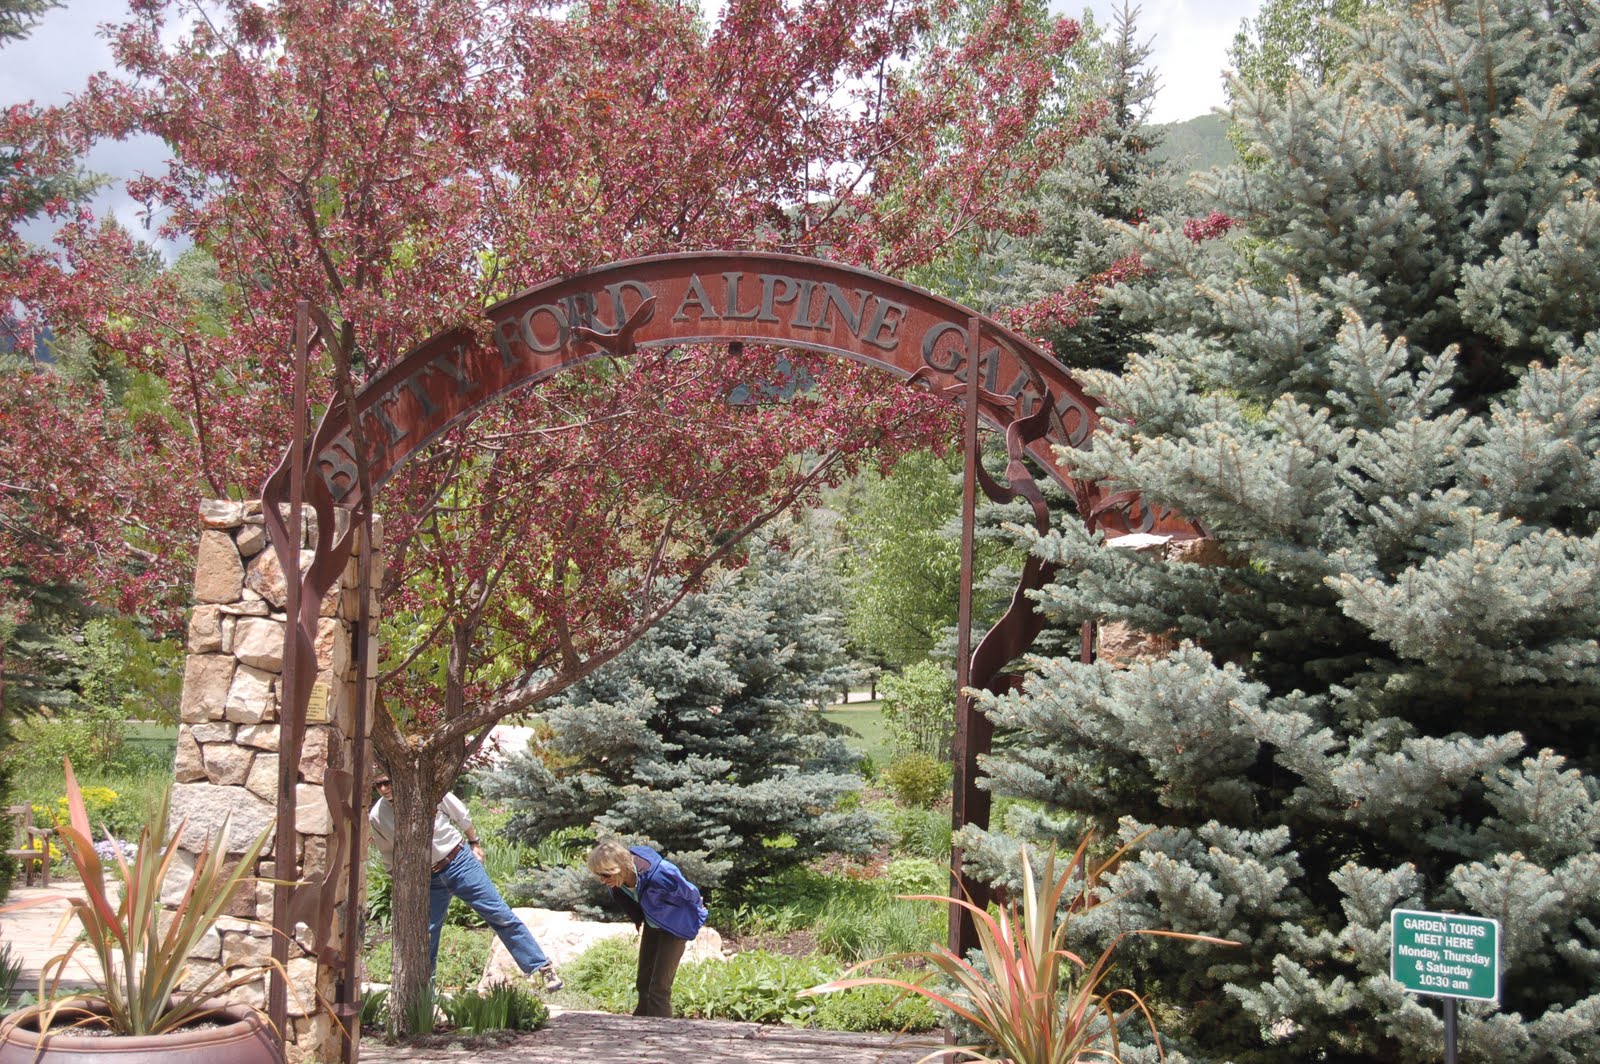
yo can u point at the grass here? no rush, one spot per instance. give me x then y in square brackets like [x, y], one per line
[870, 735]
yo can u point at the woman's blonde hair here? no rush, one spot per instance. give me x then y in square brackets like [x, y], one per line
[610, 858]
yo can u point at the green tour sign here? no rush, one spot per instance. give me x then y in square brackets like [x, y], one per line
[1445, 954]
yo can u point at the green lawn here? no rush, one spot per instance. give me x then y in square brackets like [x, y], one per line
[865, 720]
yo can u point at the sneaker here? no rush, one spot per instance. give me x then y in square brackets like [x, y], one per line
[552, 981]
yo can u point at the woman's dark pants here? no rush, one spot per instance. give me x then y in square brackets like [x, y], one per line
[659, 954]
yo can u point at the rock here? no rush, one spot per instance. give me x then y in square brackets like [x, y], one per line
[258, 641]
[205, 804]
[1120, 644]
[227, 765]
[252, 697]
[311, 816]
[187, 766]
[218, 571]
[206, 679]
[563, 936]
[205, 630]
[221, 513]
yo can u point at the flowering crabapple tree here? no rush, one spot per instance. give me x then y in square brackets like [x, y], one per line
[404, 163]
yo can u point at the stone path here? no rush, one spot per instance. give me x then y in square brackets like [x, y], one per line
[32, 934]
[602, 1038]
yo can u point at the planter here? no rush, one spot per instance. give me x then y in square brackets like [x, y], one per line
[234, 1035]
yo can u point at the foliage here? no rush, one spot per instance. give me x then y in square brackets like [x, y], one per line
[29, 182]
[380, 893]
[904, 572]
[1379, 390]
[86, 734]
[871, 924]
[1050, 281]
[375, 1006]
[874, 1008]
[859, 129]
[919, 709]
[915, 875]
[10, 969]
[921, 832]
[1034, 1001]
[38, 622]
[701, 738]
[1291, 39]
[128, 676]
[143, 948]
[504, 1006]
[119, 802]
[463, 953]
[918, 780]
[755, 987]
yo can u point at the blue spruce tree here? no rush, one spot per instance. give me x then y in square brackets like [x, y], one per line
[702, 739]
[1375, 379]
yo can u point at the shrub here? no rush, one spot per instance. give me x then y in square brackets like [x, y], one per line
[604, 974]
[874, 1008]
[918, 780]
[914, 875]
[856, 929]
[1031, 1001]
[919, 709]
[757, 987]
[88, 735]
[380, 893]
[505, 1007]
[463, 953]
[922, 833]
[375, 1007]
[10, 969]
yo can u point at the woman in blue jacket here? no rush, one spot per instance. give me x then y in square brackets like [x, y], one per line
[657, 897]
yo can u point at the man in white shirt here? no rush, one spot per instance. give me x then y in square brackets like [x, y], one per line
[458, 871]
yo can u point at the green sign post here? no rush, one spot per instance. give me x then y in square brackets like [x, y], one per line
[1446, 955]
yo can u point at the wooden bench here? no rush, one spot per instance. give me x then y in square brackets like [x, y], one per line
[29, 845]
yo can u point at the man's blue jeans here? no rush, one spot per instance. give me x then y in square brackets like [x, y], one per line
[465, 878]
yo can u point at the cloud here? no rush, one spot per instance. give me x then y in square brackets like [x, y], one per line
[53, 63]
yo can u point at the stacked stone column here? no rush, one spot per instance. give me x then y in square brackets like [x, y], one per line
[228, 753]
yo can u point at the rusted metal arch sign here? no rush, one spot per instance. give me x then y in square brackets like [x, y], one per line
[719, 297]
[664, 301]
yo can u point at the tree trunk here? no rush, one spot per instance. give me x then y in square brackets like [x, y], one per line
[410, 997]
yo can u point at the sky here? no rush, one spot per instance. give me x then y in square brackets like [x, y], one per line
[1189, 41]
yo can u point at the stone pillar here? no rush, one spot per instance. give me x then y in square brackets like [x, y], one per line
[227, 755]
[1118, 643]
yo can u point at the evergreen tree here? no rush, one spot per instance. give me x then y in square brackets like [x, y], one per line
[1296, 39]
[702, 738]
[1374, 378]
[1113, 173]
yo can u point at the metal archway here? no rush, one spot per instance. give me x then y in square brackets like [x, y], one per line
[721, 297]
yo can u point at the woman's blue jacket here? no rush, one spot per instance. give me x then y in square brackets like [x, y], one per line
[670, 901]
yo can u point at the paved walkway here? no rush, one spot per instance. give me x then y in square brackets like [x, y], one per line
[602, 1038]
[32, 934]
[573, 1037]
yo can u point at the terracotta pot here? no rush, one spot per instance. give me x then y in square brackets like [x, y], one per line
[240, 1037]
